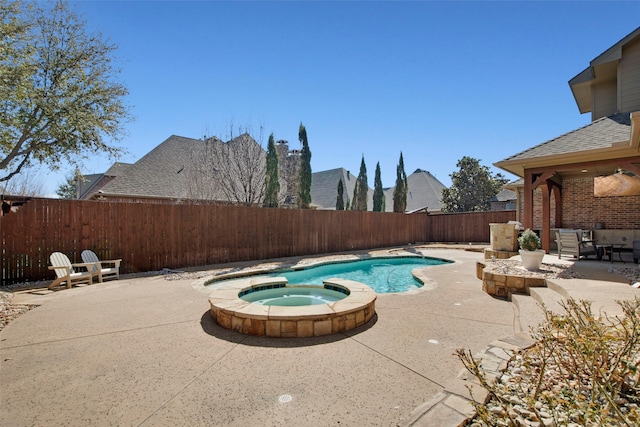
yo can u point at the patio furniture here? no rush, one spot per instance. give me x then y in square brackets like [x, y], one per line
[65, 272]
[110, 270]
[608, 249]
[570, 243]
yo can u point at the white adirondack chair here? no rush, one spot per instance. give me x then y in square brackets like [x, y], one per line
[65, 271]
[111, 270]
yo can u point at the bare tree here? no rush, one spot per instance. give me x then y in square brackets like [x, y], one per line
[28, 183]
[202, 182]
[241, 167]
[232, 171]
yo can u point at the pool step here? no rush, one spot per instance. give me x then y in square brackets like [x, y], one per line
[550, 297]
[529, 311]
[602, 295]
[528, 314]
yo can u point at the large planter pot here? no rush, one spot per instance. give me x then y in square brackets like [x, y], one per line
[531, 260]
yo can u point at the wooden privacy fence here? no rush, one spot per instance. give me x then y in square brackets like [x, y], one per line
[150, 237]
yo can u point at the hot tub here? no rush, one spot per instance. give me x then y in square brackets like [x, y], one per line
[354, 306]
[293, 296]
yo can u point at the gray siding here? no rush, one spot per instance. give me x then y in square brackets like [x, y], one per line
[629, 73]
[605, 100]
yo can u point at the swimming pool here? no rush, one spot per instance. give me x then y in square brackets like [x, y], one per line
[296, 315]
[382, 274]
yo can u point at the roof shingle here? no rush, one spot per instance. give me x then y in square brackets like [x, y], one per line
[159, 172]
[602, 133]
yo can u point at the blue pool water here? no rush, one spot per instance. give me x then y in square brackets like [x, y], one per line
[383, 275]
[290, 296]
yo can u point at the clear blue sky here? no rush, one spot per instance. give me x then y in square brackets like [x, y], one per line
[435, 80]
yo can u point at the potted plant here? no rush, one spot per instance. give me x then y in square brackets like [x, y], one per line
[530, 251]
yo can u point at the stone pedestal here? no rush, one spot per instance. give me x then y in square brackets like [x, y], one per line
[504, 237]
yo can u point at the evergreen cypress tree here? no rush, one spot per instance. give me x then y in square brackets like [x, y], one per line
[340, 199]
[304, 178]
[378, 194]
[401, 189]
[272, 179]
[354, 204]
[361, 189]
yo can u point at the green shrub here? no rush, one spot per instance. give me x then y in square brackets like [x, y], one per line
[529, 240]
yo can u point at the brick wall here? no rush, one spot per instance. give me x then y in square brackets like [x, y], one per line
[582, 210]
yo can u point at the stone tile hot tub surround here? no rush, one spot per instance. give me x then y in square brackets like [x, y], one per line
[233, 313]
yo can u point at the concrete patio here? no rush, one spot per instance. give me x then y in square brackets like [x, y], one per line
[146, 352]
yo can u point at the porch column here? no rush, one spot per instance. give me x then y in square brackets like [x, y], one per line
[527, 214]
[557, 195]
[546, 217]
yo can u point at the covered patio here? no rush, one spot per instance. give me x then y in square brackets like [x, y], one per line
[557, 189]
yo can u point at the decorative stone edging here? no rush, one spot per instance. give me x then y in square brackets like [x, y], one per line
[502, 284]
[233, 313]
[491, 253]
[453, 406]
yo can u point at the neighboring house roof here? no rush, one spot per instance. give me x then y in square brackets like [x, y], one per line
[181, 168]
[505, 196]
[424, 190]
[591, 140]
[324, 188]
[88, 185]
[425, 193]
[167, 172]
[117, 169]
[159, 173]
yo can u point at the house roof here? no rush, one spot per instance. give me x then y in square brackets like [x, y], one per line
[117, 169]
[89, 184]
[324, 188]
[601, 69]
[171, 170]
[505, 195]
[514, 185]
[602, 139]
[86, 183]
[165, 173]
[425, 192]
[159, 173]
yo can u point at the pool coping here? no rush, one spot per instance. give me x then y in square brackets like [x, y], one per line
[233, 313]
